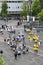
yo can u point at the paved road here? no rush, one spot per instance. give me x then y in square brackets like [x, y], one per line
[28, 59]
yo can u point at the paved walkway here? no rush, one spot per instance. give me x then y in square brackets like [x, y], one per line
[28, 59]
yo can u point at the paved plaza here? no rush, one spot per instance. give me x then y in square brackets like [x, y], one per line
[27, 59]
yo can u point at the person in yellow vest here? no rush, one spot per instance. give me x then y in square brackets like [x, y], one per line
[36, 47]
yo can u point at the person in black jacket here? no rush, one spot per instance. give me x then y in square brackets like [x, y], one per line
[15, 54]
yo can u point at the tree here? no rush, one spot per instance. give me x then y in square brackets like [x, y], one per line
[36, 8]
[40, 15]
[41, 3]
[4, 9]
[25, 9]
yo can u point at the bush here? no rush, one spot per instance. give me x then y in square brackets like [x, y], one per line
[2, 61]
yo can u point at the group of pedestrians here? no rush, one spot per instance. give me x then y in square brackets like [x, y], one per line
[2, 28]
[18, 46]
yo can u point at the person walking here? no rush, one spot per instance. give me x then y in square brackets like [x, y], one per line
[15, 54]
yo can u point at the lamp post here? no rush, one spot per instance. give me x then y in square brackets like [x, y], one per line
[30, 10]
[30, 13]
[30, 2]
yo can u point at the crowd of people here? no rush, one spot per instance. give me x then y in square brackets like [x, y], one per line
[16, 43]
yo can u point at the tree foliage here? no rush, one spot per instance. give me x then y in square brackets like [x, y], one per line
[40, 15]
[41, 3]
[4, 8]
[25, 9]
[36, 8]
